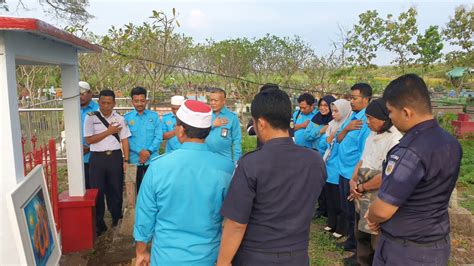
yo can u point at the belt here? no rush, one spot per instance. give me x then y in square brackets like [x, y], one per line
[107, 153]
[406, 242]
[283, 253]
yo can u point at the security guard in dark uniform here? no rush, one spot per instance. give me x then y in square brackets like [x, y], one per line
[419, 175]
[107, 134]
[270, 202]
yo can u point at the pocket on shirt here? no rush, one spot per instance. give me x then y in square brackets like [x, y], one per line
[150, 129]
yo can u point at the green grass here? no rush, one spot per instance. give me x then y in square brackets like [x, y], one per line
[322, 246]
[249, 143]
[465, 184]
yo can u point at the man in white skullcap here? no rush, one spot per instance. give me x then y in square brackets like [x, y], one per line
[168, 124]
[181, 195]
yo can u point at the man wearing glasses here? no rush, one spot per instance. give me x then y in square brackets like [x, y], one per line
[168, 124]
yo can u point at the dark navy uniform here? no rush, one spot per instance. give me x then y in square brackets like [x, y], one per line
[274, 191]
[419, 176]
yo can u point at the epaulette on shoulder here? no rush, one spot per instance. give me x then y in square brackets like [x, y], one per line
[91, 113]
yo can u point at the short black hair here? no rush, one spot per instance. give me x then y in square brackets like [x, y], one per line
[408, 91]
[107, 93]
[364, 88]
[218, 90]
[194, 132]
[269, 86]
[138, 91]
[308, 98]
[274, 106]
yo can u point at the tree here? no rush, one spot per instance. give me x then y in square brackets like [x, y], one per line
[398, 37]
[364, 39]
[70, 11]
[429, 47]
[459, 32]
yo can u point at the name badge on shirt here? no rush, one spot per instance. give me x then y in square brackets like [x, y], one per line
[224, 132]
[389, 168]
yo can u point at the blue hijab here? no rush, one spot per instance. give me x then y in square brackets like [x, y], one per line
[320, 119]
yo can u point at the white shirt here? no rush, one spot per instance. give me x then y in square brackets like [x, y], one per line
[93, 126]
[377, 147]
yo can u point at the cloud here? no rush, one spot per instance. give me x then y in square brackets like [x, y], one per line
[197, 19]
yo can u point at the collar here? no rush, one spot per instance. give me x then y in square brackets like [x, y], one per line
[223, 111]
[134, 111]
[194, 146]
[359, 115]
[111, 115]
[416, 130]
[90, 105]
[277, 141]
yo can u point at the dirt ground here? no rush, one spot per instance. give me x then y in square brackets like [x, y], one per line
[112, 250]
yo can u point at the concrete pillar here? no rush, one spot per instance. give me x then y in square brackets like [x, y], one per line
[11, 170]
[72, 120]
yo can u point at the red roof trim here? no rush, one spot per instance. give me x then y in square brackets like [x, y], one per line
[38, 26]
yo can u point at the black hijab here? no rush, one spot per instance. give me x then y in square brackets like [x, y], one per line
[321, 119]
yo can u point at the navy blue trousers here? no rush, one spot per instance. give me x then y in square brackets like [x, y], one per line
[391, 253]
[348, 211]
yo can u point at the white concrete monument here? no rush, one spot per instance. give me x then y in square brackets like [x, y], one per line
[33, 42]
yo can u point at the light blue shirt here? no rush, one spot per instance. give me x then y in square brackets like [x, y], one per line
[91, 107]
[332, 164]
[226, 140]
[167, 125]
[351, 147]
[299, 134]
[179, 203]
[312, 135]
[146, 134]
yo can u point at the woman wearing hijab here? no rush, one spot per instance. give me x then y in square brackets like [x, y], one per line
[319, 124]
[313, 133]
[367, 176]
[341, 110]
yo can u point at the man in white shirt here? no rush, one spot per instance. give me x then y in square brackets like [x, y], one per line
[107, 134]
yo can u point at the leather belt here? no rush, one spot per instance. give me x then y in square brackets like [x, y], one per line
[283, 253]
[107, 153]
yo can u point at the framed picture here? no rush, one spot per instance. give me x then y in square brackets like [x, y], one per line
[30, 208]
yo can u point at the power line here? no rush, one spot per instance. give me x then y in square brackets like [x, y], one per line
[212, 73]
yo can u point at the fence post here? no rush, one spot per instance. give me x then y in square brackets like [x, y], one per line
[54, 181]
[23, 141]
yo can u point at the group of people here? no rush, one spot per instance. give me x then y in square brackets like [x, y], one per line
[381, 171]
[112, 142]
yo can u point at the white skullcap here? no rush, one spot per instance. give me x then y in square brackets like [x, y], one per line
[177, 100]
[195, 113]
[84, 86]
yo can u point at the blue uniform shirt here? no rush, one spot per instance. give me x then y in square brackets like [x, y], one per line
[312, 135]
[226, 140]
[351, 147]
[299, 134]
[168, 124]
[178, 205]
[91, 107]
[146, 134]
[419, 176]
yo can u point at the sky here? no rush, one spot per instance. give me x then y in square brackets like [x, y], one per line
[316, 22]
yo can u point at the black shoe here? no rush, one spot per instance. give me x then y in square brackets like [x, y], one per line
[115, 222]
[101, 230]
[352, 260]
